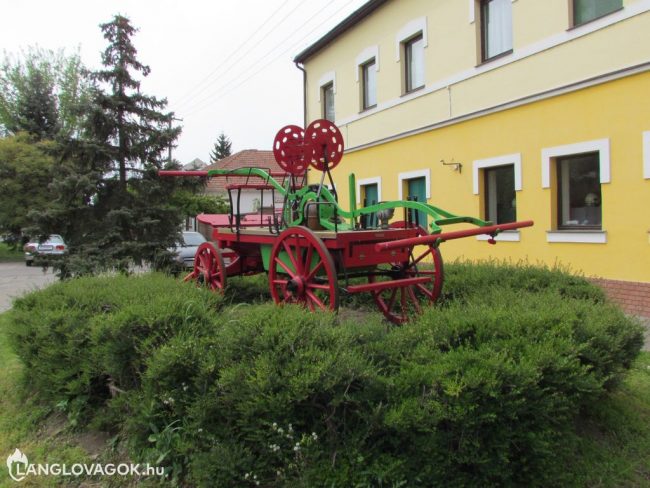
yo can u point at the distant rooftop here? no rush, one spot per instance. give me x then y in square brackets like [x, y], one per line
[248, 158]
[194, 165]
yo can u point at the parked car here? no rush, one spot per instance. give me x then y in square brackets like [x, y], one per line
[186, 249]
[54, 245]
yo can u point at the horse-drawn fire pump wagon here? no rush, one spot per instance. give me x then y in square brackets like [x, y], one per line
[312, 249]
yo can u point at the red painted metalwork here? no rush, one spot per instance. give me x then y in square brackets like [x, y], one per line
[203, 173]
[424, 265]
[436, 239]
[301, 270]
[327, 142]
[291, 151]
[402, 264]
[209, 268]
[375, 286]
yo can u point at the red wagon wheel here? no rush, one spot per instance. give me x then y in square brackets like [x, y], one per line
[209, 268]
[397, 304]
[301, 270]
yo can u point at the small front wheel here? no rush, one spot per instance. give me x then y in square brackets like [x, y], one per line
[209, 268]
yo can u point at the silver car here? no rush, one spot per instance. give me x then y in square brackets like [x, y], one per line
[54, 245]
[186, 249]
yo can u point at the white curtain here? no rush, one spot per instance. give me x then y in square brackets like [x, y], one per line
[498, 27]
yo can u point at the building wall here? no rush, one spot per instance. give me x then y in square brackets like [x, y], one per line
[560, 86]
[547, 54]
[615, 111]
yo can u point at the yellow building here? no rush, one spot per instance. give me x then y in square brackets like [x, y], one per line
[502, 109]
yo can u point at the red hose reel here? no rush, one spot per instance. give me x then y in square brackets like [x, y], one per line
[320, 145]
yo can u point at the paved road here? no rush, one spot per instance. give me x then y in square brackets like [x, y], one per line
[17, 279]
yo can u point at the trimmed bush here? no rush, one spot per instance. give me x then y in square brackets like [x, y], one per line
[483, 390]
[81, 338]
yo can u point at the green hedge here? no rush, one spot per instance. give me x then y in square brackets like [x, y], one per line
[80, 338]
[482, 390]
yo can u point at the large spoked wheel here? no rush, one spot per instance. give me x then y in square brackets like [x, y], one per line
[301, 270]
[209, 268]
[399, 303]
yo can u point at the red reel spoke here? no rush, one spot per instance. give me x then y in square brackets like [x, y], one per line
[327, 144]
[291, 151]
[313, 289]
[316, 300]
[292, 258]
[289, 271]
[422, 256]
[313, 272]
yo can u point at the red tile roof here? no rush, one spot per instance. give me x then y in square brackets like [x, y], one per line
[248, 158]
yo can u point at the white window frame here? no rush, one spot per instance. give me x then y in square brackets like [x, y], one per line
[472, 10]
[323, 81]
[363, 57]
[410, 175]
[369, 181]
[505, 160]
[646, 155]
[409, 30]
[602, 147]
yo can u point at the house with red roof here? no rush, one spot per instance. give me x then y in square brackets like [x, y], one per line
[250, 199]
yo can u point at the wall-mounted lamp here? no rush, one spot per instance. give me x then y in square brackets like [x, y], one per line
[457, 166]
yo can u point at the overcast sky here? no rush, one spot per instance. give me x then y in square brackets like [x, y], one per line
[222, 65]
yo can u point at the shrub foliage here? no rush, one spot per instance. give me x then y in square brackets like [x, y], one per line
[483, 390]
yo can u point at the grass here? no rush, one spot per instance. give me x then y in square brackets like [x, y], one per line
[43, 435]
[8, 255]
[614, 447]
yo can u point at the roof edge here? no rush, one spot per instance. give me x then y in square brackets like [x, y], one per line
[350, 21]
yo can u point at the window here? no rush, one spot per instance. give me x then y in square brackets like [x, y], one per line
[588, 10]
[500, 196]
[370, 196]
[416, 191]
[369, 84]
[327, 97]
[496, 28]
[414, 65]
[579, 197]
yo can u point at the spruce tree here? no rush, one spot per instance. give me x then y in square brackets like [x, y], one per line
[112, 206]
[222, 148]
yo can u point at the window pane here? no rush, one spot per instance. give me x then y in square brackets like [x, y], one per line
[417, 191]
[415, 64]
[496, 23]
[579, 191]
[370, 197]
[328, 102]
[500, 195]
[586, 10]
[369, 85]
